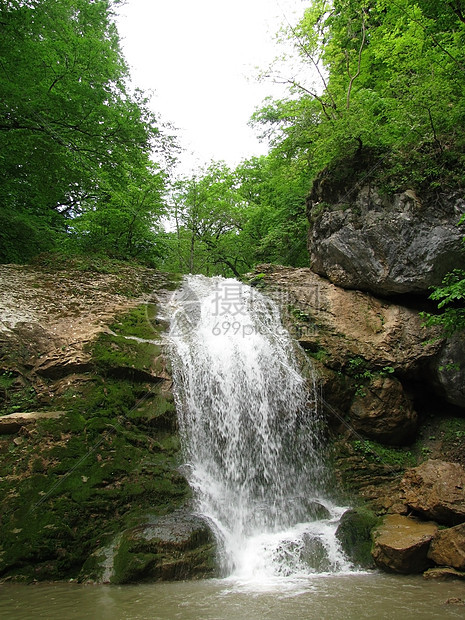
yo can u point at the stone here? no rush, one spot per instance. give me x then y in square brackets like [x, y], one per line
[12, 422]
[455, 600]
[442, 573]
[354, 534]
[175, 547]
[449, 370]
[316, 511]
[401, 544]
[436, 490]
[448, 547]
[383, 412]
[338, 325]
[58, 364]
[362, 238]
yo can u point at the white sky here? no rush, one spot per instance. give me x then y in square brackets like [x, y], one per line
[200, 59]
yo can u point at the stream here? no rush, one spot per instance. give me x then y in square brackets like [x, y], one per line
[335, 597]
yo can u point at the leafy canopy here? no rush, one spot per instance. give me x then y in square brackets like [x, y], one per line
[74, 142]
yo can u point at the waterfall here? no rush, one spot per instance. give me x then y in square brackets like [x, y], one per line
[251, 432]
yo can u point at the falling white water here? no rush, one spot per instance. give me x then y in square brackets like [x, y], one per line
[250, 428]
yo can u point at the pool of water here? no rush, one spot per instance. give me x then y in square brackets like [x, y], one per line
[338, 597]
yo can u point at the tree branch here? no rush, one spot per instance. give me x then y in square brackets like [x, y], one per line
[354, 77]
[311, 93]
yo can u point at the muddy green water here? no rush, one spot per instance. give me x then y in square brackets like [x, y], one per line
[332, 597]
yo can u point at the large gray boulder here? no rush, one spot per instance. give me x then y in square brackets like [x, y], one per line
[363, 239]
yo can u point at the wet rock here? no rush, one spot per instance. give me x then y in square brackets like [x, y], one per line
[386, 244]
[178, 546]
[442, 573]
[354, 534]
[436, 489]
[316, 511]
[455, 601]
[314, 554]
[383, 412]
[401, 544]
[448, 547]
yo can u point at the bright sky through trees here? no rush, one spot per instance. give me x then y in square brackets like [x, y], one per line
[200, 58]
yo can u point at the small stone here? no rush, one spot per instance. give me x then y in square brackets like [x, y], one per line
[441, 573]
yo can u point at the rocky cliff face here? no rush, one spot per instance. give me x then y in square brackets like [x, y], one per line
[388, 244]
[392, 390]
[88, 433]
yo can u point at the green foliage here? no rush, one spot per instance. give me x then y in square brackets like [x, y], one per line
[75, 144]
[392, 457]
[451, 301]
[385, 75]
[209, 214]
[362, 374]
[227, 221]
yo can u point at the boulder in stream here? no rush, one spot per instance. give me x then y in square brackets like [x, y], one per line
[448, 547]
[175, 547]
[401, 544]
[354, 534]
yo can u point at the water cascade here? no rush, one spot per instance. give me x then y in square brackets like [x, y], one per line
[251, 432]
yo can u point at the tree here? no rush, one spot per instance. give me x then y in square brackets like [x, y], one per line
[71, 134]
[209, 213]
[386, 75]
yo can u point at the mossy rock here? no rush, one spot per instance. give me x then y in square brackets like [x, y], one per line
[174, 547]
[354, 534]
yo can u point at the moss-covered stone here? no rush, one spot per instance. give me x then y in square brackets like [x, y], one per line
[355, 535]
[174, 547]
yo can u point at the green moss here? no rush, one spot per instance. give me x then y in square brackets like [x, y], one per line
[76, 481]
[354, 534]
[376, 452]
[16, 394]
[453, 428]
[318, 352]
